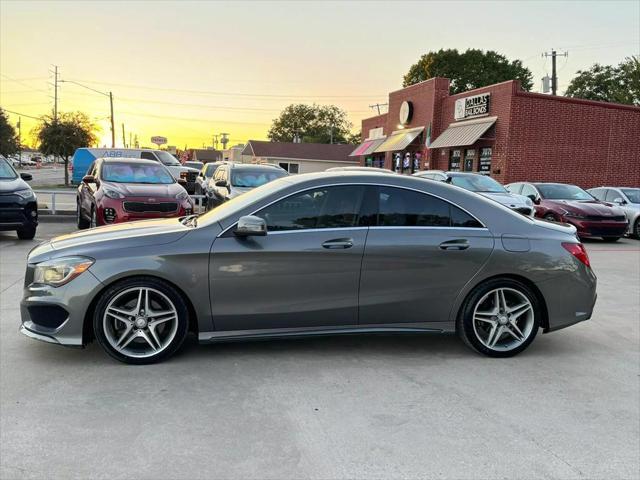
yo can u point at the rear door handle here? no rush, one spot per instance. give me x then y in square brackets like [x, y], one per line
[338, 243]
[458, 244]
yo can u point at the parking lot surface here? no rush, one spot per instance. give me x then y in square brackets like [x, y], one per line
[343, 407]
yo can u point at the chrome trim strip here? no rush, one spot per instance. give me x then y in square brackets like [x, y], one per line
[380, 184]
[43, 338]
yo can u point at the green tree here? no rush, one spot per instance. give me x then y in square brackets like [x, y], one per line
[312, 124]
[608, 83]
[8, 139]
[62, 137]
[468, 70]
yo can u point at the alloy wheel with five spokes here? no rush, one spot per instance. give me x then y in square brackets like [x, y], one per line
[141, 321]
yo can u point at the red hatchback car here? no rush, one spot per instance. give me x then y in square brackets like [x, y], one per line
[125, 189]
[559, 202]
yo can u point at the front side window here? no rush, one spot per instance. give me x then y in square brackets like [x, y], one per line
[633, 194]
[210, 170]
[612, 195]
[136, 173]
[166, 158]
[514, 187]
[528, 190]
[324, 207]
[406, 208]
[477, 183]
[599, 193]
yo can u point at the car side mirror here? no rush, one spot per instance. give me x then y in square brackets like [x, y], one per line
[619, 201]
[26, 176]
[88, 179]
[221, 183]
[251, 226]
[534, 198]
[182, 182]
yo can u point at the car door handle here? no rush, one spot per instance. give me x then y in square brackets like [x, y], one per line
[338, 243]
[459, 244]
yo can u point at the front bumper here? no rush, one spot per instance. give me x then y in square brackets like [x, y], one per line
[607, 229]
[16, 213]
[73, 299]
[112, 210]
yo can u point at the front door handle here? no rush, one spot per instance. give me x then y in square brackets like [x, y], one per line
[338, 243]
[458, 244]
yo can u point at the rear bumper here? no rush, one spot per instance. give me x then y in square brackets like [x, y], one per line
[570, 298]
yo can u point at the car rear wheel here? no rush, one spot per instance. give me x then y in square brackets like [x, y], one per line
[141, 321]
[500, 318]
[82, 222]
[636, 228]
[26, 233]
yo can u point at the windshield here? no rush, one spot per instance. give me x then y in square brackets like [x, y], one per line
[166, 158]
[555, 191]
[136, 173]
[477, 183]
[251, 178]
[633, 194]
[6, 170]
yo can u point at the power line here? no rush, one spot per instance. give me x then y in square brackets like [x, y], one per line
[21, 114]
[135, 114]
[23, 84]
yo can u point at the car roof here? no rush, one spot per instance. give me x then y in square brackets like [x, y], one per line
[255, 165]
[142, 161]
[552, 183]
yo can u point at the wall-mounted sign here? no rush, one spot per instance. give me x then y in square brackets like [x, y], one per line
[376, 133]
[469, 157]
[406, 112]
[470, 107]
[454, 160]
[159, 140]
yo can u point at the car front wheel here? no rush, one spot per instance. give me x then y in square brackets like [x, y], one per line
[82, 222]
[26, 233]
[141, 321]
[500, 318]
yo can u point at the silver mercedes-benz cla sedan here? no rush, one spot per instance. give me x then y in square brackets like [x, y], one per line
[315, 254]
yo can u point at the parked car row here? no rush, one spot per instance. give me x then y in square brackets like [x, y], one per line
[605, 212]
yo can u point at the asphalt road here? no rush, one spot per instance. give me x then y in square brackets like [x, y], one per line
[344, 407]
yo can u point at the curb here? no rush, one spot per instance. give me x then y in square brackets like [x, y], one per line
[46, 217]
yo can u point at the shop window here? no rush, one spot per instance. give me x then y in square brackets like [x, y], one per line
[289, 167]
[327, 207]
[469, 157]
[454, 160]
[484, 166]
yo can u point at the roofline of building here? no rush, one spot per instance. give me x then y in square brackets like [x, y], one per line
[306, 159]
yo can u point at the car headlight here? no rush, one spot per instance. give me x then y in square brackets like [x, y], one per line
[182, 195]
[61, 270]
[112, 193]
[26, 193]
[528, 202]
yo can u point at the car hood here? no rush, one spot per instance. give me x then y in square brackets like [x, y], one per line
[145, 190]
[8, 186]
[507, 199]
[586, 207]
[235, 191]
[134, 234]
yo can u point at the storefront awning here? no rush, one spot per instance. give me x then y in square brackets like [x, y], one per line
[399, 140]
[463, 133]
[367, 147]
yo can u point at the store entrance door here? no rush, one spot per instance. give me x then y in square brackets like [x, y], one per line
[469, 157]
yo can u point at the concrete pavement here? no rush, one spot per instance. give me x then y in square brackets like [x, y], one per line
[344, 407]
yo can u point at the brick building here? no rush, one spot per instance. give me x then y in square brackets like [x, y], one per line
[503, 131]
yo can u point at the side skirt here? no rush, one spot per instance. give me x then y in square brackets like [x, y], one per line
[264, 334]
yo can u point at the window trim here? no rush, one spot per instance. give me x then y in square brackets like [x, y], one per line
[483, 227]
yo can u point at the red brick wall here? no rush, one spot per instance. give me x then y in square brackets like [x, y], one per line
[556, 139]
[373, 122]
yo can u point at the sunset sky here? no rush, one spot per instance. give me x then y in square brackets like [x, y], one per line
[188, 70]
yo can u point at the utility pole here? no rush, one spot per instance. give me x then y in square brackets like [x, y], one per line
[20, 140]
[214, 141]
[113, 130]
[378, 105]
[554, 75]
[124, 138]
[130, 139]
[55, 93]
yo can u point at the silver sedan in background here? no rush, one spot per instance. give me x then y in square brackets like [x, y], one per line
[314, 254]
[628, 199]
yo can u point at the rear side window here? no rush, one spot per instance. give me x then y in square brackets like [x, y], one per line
[514, 187]
[398, 207]
[324, 207]
[148, 156]
[612, 195]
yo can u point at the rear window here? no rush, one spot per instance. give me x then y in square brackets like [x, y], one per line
[251, 178]
[136, 173]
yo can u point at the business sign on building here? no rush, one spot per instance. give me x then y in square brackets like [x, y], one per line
[470, 107]
[158, 140]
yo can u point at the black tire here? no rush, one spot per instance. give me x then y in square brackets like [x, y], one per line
[26, 233]
[550, 217]
[636, 229]
[465, 322]
[145, 282]
[82, 222]
[610, 239]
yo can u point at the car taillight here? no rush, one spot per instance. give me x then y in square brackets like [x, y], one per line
[183, 174]
[578, 251]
